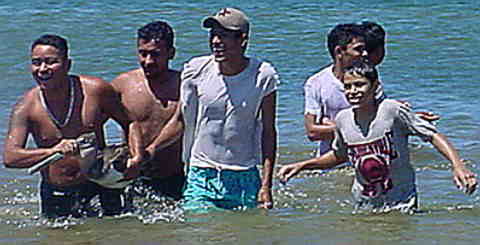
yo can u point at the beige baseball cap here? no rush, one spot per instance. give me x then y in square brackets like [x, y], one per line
[229, 18]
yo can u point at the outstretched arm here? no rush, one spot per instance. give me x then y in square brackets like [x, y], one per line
[463, 178]
[326, 161]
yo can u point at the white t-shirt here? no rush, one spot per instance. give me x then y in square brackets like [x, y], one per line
[222, 113]
[324, 97]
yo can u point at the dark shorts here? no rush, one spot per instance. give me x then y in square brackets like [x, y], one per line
[170, 187]
[56, 201]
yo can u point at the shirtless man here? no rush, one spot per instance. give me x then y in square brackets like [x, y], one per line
[55, 112]
[151, 93]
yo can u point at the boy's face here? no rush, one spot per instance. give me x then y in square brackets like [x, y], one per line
[358, 90]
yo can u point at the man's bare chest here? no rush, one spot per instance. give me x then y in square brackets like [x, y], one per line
[46, 131]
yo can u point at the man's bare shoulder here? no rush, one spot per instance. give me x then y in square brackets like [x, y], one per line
[127, 79]
[94, 85]
[26, 102]
[30, 96]
[31, 93]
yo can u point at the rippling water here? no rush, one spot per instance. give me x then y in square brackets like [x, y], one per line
[432, 61]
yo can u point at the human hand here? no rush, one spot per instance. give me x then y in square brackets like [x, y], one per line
[288, 171]
[405, 103]
[66, 147]
[133, 169]
[328, 121]
[427, 116]
[464, 179]
[265, 198]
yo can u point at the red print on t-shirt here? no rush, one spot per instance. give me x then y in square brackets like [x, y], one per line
[372, 163]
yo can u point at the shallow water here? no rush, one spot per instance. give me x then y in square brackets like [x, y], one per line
[432, 62]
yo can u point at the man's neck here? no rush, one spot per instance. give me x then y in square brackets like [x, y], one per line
[233, 67]
[58, 89]
[338, 70]
[160, 78]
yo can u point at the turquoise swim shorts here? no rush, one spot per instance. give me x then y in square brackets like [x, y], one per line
[212, 189]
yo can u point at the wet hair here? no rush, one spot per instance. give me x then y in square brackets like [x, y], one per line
[158, 30]
[374, 35]
[342, 35]
[56, 41]
[364, 69]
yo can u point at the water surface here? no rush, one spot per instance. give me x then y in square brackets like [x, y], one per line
[432, 62]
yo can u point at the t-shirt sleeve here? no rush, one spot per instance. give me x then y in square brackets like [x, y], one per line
[313, 103]
[338, 144]
[415, 125]
[187, 88]
[189, 106]
[380, 93]
[271, 79]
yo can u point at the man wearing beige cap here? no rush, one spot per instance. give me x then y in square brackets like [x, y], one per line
[227, 114]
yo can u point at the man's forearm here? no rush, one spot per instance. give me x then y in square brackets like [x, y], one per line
[135, 142]
[269, 151]
[326, 161]
[24, 158]
[267, 173]
[318, 130]
[170, 134]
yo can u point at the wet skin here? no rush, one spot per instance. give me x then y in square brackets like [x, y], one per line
[151, 96]
[94, 102]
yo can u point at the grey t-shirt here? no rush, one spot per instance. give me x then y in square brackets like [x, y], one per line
[324, 97]
[385, 138]
[222, 113]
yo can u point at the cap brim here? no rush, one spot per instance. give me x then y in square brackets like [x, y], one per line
[210, 22]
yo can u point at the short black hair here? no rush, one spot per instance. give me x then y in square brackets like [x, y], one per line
[56, 41]
[341, 35]
[363, 69]
[157, 30]
[374, 35]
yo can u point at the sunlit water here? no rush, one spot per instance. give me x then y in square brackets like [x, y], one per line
[432, 62]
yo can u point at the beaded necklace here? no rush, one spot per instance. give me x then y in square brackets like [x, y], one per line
[70, 106]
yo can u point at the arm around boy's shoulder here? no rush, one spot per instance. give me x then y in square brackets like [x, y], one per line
[413, 122]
